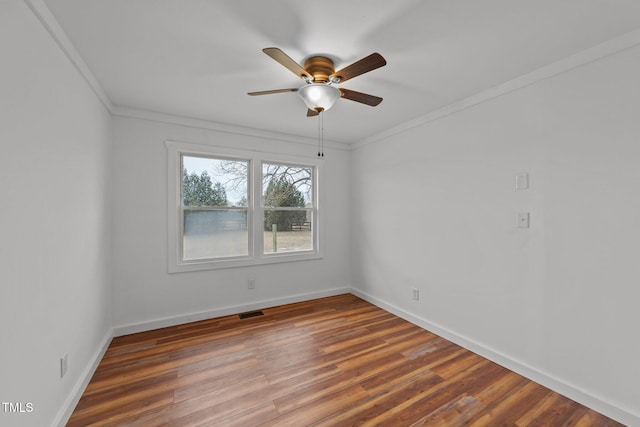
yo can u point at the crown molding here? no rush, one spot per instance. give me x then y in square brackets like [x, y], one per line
[595, 53]
[220, 127]
[49, 22]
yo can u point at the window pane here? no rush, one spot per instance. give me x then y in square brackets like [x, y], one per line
[214, 182]
[287, 185]
[214, 234]
[287, 231]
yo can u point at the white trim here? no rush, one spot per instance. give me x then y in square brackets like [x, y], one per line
[76, 393]
[600, 404]
[602, 50]
[154, 116]
[49, 22]
[78, 390]
[225, 311]
[597, 403]
[175, 263]
[51, 25]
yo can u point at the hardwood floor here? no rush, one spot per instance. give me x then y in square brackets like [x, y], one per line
[336, 361]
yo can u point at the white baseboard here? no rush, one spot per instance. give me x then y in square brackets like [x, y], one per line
[587, 399]
[76, 393]
[599, 404]
[73, 399]
[224, 311]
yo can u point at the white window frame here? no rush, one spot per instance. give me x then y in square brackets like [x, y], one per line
[255, 210]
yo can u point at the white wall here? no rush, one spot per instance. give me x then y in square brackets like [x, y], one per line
[146, 296]
[55, 220]
[434, 208]
[431, 208]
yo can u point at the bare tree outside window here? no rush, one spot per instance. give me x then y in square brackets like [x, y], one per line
[287, 198]
[299, 176]
[230, 207]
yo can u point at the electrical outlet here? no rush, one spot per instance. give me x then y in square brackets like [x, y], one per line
[63, 365]
[251, 284]
[416, 294]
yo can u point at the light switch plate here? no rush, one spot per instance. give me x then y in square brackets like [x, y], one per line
[522, 220]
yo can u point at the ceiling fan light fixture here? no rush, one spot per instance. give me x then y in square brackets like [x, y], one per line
[319, 96]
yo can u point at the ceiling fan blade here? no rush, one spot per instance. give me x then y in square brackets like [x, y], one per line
[371, 62]
[363, 98]
[269, 92]
[286, 61]
[311, 113]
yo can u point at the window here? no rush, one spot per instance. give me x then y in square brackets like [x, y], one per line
[230, 208]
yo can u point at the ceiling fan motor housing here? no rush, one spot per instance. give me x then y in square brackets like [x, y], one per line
[320, 67]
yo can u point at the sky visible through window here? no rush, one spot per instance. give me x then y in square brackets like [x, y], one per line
[220, 171]
[232, 174]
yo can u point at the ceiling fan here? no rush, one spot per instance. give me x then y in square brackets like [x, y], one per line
[319, 75]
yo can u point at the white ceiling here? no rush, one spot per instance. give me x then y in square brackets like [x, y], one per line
[199, 58]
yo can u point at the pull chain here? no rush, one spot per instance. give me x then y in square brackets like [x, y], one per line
[321, 135]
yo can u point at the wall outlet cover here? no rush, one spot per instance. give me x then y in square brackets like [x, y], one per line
[63, 365]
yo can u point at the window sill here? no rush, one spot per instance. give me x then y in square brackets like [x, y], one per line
[188, 266]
